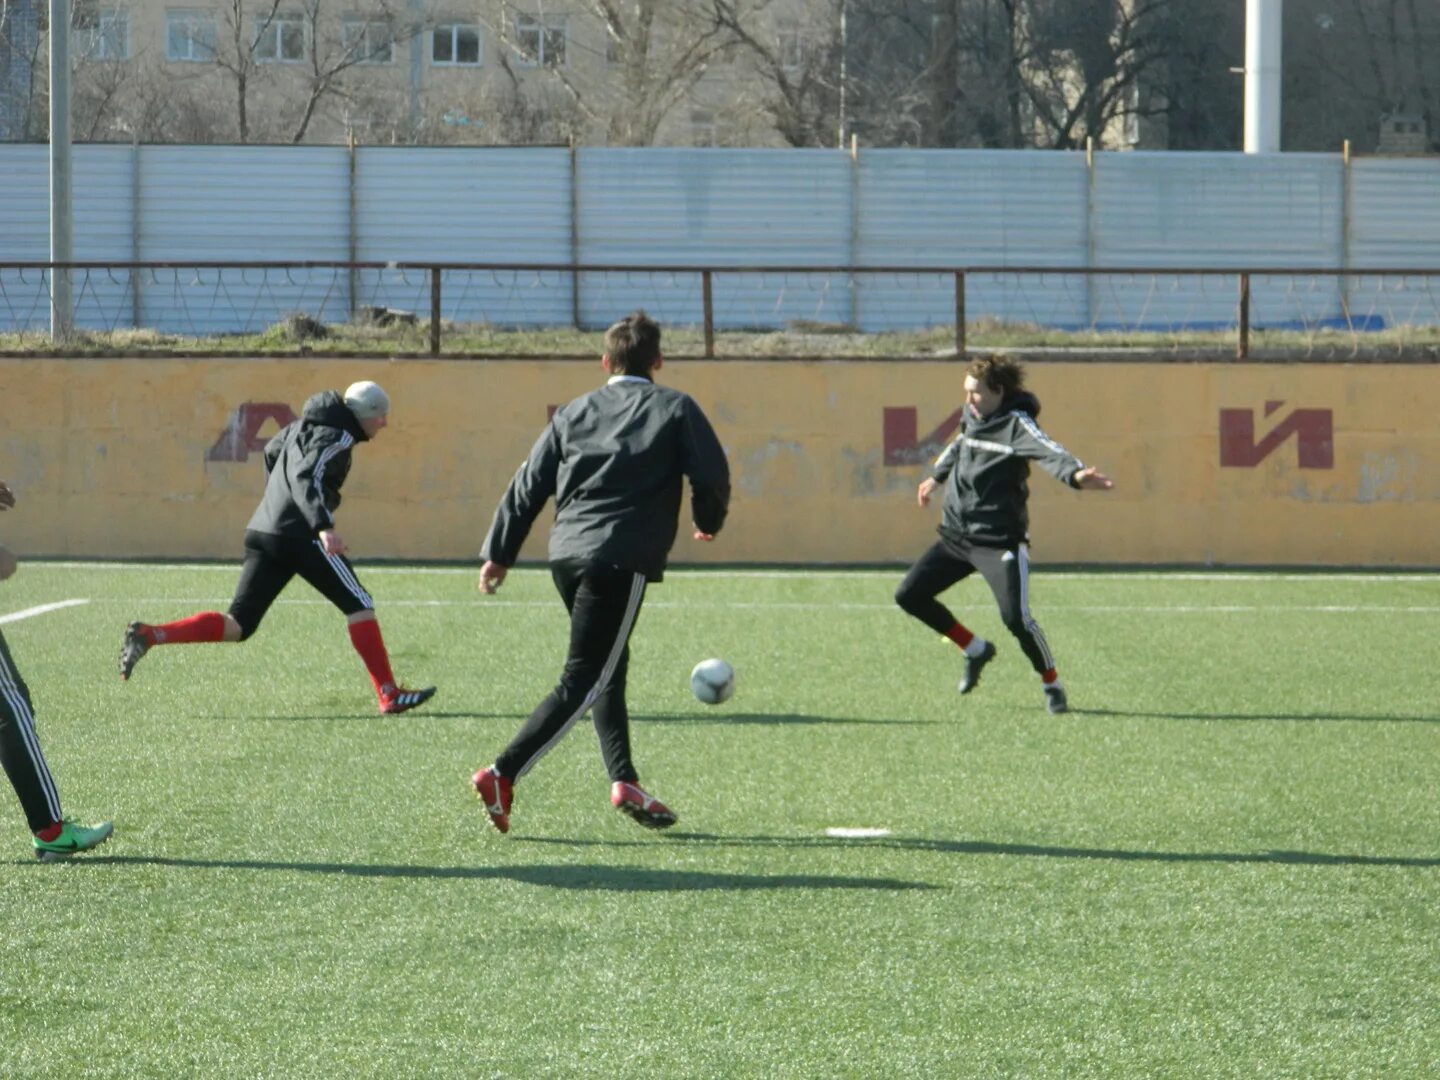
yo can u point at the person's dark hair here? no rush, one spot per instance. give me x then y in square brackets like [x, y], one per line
[998, 373]
[633, 344]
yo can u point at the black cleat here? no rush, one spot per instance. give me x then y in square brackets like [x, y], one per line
[132, 649]
[1055, 699]
[974, 665]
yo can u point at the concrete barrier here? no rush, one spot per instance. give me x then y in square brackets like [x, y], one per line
[1225, 463]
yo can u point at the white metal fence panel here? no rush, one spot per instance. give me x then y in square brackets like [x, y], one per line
[243, 204]
[24, 204]
[640, 207]
[1394, 223]
[1200, 210]
[979, 208]
[494, 204]
[101, 197]
[682, 207]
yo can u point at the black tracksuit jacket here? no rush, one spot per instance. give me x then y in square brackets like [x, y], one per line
[614, 459]
[305, 465]
[985, 473]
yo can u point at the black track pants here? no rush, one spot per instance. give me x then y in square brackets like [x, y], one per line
[1005, 570]
[271, 561]
[20, 748]
[604, 602]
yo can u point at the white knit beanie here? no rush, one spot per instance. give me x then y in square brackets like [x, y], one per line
[367, 400]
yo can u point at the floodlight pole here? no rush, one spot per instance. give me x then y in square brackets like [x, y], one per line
[844, 42]
[62, 246]
[1262, 76]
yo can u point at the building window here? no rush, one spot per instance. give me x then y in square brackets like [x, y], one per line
[368, 41]
[189, 36]
[281, 40]
[702, 127]
[101, 33]
[790, 46]
[541, 40]
[454, 44]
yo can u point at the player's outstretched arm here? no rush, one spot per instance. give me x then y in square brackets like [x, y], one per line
[1092, 479]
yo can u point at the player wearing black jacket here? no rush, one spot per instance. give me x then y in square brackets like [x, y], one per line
[20, 756]
[614, 460]
[293, 532]
[986, 521]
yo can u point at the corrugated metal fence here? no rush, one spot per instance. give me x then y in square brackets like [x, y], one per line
[932, 209]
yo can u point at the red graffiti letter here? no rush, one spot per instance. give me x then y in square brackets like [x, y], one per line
[903, 445]
[1314, 430]
[242, 431]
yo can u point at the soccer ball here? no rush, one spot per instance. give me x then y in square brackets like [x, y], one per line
[712, 681]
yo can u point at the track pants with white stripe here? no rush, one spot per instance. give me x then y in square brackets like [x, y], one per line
[271, 561]
[604, 602]
[1005, 569]
[20, 748]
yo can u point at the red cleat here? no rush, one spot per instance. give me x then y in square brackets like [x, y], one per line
[496, 792]
[647, 810]
[402, 700]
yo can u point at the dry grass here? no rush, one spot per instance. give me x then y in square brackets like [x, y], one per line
[799, 340]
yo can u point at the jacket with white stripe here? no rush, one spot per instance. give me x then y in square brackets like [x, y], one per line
[614, 459]
[985, 473]
[305, 465]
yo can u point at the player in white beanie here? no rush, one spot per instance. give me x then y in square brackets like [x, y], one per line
[293, 532]
[367, 400]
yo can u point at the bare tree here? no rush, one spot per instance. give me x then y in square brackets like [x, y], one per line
[644, 62]
[1085, 59]
[795, 53]
[361, 40]
[1348, 63]
[235, 51]
[21, 74]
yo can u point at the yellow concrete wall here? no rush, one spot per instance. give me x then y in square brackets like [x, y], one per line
[109, 458]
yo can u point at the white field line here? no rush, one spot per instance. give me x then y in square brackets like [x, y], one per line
[846, 833]
[31, 612]
[786, 605]
[1379, 577]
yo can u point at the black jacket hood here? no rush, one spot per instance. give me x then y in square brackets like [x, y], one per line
[1022, 400]
[329, 408]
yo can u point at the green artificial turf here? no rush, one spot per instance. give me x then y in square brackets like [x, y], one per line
[1225, 862]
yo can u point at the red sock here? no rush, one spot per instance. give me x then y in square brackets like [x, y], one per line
[365, 636]
[959, 635]
[1049, 677]
[50, 832]
[204, 627]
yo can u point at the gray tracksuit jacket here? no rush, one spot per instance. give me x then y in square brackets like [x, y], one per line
[985, 473]
[614, 459]
[305, 465]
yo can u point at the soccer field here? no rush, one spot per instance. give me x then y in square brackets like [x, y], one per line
[1224, 862]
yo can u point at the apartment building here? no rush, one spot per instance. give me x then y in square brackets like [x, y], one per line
[378, 71]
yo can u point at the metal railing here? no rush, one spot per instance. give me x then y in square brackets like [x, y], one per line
[126, 282]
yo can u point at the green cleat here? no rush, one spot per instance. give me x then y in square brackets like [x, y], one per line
[72, 839]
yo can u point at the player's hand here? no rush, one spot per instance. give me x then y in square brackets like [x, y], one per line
[492, 576]
[7, 562]
[7, 497]
[707, 537]
[332, 543]
[1092, 479]
[926, 489]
